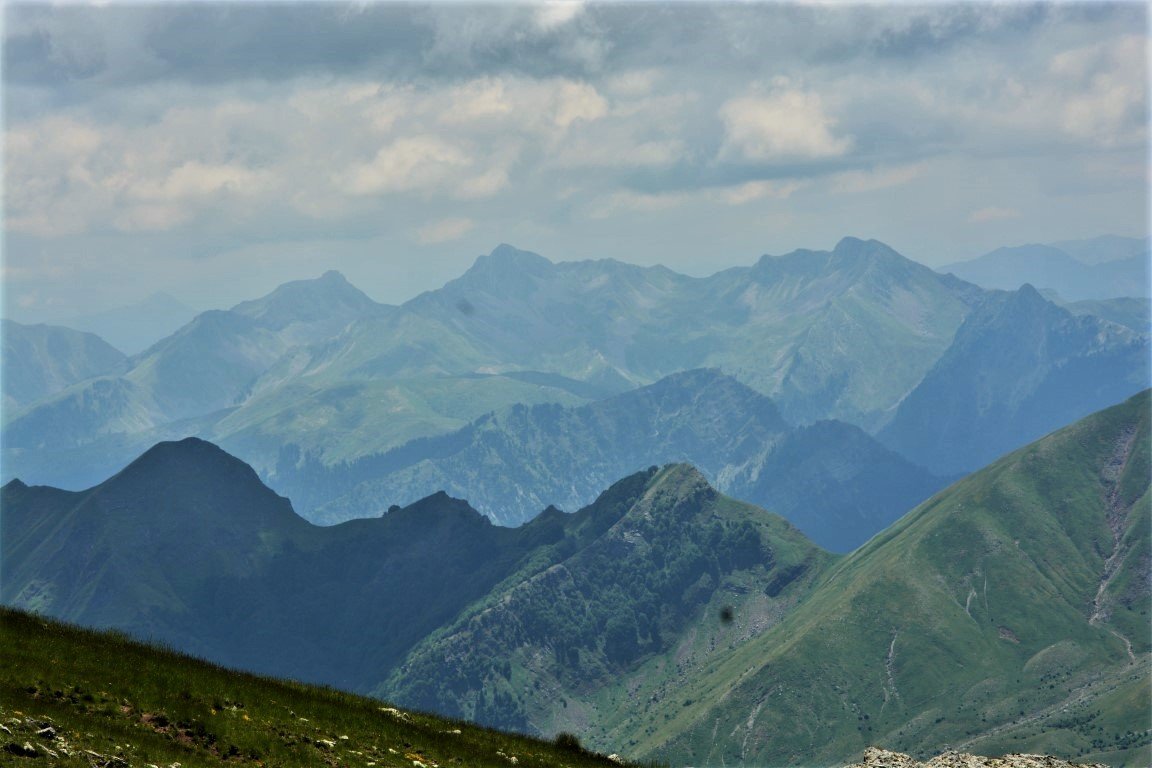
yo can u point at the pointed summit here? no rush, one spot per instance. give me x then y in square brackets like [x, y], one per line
[508, 260]
[329, 300]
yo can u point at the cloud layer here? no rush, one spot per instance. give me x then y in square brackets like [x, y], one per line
[645, 132]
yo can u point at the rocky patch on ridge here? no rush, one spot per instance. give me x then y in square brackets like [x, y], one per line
[882, 758]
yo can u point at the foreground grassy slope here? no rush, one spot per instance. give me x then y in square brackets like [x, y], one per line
[1007, 614]
[110, 701]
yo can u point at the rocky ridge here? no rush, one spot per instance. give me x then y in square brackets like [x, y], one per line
[882, 758]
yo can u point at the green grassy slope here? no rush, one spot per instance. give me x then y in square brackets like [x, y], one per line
[1007, 614]
[83, 698]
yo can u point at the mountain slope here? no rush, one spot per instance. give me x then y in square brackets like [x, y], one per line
[83, 698]
[40, 360]
[1018, 368]
[186, 545]
[1008, 613]
[642, 572]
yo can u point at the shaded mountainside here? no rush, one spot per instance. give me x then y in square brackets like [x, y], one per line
[832, 480]
[40, 360]
[1007, 614]
[539, 652]
[187, 546]
[73, 697]
[1019, 368]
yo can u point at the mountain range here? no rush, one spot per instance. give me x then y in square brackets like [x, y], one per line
[858, 334]
[832, 480]
[665, 619]
[1101, 268]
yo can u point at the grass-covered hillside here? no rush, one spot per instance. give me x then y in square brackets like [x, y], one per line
[1009, 613]
[74, 697]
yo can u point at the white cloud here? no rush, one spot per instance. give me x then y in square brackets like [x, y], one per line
[556, 13]
[993, 214]
[443, 231]
[789, 124]
[412, 163]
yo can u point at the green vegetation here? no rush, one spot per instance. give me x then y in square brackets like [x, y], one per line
[84, 698]
[1007, 614]
[649, 563]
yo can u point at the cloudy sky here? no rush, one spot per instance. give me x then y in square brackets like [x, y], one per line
[215, 150]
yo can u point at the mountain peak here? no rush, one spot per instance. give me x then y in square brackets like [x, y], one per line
[504, 258]
[439, 507]
[328, 298]
[854, 246]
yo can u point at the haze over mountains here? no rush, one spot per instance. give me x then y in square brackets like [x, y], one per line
[831, 479]
[1007, 613]
[1100, 268]
[317, 378]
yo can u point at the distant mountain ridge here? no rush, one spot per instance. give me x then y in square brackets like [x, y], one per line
[1018, 365]
[832, 480]
[847, 334]
[40, 360]
[664, 619]
[1102, 268]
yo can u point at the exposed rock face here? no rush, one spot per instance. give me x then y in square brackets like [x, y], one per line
[882, 758]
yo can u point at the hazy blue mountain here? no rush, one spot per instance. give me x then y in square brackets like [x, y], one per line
[806, 328]
[832, 480]
[310, 311]
[1100, 269]
[40, 360]
[1019, 368]
[319, 365]
[1106, 248]
[844, 334]
[138, 326]
[1135, 314]
[207, 367]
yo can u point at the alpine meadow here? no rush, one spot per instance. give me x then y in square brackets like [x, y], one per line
[565, 383]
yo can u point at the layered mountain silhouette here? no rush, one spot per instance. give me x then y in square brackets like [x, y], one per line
[857, 334]
[40, 360]
[1017, 365]
[831, 479]
[1009, 609]
[1101, 268]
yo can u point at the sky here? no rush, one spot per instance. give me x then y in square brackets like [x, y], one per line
[216, 150]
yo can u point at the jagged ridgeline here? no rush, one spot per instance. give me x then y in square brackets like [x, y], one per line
[70, 696]
[1008, 613]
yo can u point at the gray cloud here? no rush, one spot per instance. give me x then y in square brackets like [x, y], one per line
[177, 133]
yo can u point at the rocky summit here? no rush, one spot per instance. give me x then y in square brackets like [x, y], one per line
[882, 758]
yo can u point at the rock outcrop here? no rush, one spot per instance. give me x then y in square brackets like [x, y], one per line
[882, 758]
